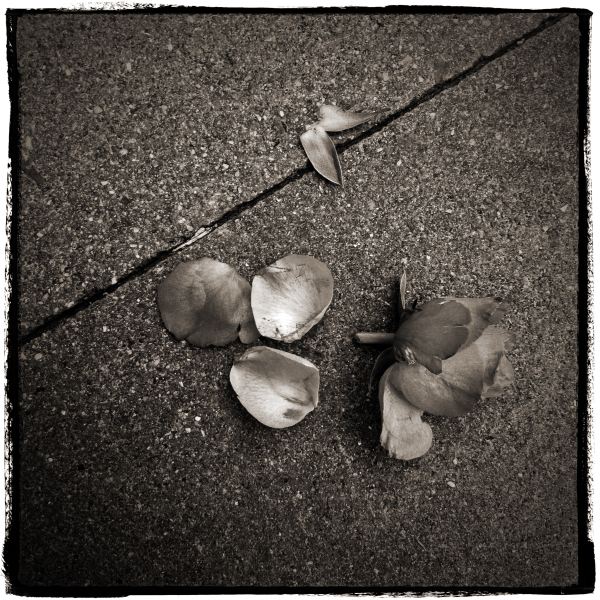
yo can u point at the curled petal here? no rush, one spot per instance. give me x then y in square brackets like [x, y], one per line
[403, 434]
[383, 362]
[504, 377]
[480, 370]
[322, 154]
[291, 296]
[335, 119]
[430, 392]
[275, 387]
[206, 302]
[443, 327]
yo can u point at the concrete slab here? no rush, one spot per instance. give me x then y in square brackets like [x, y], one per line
[141, 128]
[139, 466]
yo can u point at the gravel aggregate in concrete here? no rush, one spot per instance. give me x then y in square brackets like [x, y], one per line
[140, 128]
[139, 465]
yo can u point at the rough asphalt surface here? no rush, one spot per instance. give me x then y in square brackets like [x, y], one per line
[138, 464]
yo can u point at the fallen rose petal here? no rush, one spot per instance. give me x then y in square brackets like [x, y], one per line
[206, 302]
[335, 119]
[277, 388]
[291, 296]
[322, 154]
[403, 434]
[479, 370]
[383, 362]
[504, 377]
[443, 327]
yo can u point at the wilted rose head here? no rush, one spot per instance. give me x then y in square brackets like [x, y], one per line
[444, 357]
[442, 327]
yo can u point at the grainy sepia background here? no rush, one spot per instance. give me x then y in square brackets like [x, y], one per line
[138, 466]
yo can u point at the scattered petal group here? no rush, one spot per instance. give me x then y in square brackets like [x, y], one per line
[443, 358]
[206, 302]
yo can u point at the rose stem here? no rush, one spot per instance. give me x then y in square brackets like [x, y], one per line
[374, 338]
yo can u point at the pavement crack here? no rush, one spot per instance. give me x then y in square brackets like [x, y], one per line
[450, 82]
[234, 213]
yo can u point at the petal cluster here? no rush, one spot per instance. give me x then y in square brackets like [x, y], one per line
[450, 354]
[206, 302]
[318, 146]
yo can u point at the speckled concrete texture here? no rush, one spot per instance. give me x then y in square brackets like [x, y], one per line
[141, 128]
[139, 465]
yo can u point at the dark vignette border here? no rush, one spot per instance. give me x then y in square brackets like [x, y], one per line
[586, 545]
[11, 549]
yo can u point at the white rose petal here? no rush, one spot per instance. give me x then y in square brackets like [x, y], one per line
[291, 296]
[275, 387]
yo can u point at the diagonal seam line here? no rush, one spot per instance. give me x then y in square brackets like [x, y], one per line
[234, 213]
[451, 82]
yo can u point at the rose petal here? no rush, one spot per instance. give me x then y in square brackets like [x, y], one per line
[476, 371]
[444, 326]
[275, 387]
[430, 392]
[322, 154]
[291, 296]
[383, 362]
[504, 377]
[206, 302]
[335, 119]
[403, 434]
